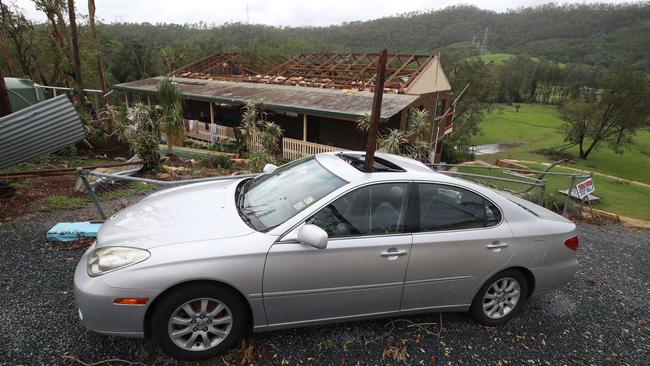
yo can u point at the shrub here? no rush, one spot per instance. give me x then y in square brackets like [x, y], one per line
[145, 145]
[143, 140]
[220, 161]
[257, 159]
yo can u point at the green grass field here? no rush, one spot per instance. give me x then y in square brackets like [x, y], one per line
[537, 127]
[617, 196]
[497, 58]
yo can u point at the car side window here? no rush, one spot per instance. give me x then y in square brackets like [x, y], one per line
[450, 208]
[372, 210]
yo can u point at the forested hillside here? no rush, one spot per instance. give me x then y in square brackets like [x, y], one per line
[590, 34]
[597, 35]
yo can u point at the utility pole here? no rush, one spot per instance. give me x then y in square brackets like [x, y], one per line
[5, 105]
[371, 145]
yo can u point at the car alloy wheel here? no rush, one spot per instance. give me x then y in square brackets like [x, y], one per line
[200, 324]
[199, 320]
[501, 298]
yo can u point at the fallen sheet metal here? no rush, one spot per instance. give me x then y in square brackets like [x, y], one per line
[43, 128]
[574, 194]
[71, 231]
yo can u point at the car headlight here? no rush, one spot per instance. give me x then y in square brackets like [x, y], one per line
[106, 259]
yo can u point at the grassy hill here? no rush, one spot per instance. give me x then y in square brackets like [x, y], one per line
[536, 126]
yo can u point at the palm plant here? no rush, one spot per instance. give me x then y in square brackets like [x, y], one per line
[169, 97]
[419, 125]
[393, 141]
[363, 123]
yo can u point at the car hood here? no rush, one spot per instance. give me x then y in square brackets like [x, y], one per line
[194, 212]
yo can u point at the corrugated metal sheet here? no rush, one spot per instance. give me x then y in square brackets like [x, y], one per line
[43, 128]
[334, 102]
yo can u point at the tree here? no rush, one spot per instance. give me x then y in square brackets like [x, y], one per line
[76, 58]
[98, 54]
[21, 32]
[5, 105]
[611, 111]
[475, 102]
[53, 10]
[5, 57]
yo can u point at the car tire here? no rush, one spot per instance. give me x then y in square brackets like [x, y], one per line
[493, 304]
[200, 321]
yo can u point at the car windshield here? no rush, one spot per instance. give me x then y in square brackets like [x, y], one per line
[271, 199]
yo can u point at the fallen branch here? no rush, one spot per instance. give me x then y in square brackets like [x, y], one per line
[112, 360]
[419, 325]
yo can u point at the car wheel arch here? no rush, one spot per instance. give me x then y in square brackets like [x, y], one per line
[528, 275]
[154, 302]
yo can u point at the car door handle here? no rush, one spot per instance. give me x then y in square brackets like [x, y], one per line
[497, 245]
[392, 253]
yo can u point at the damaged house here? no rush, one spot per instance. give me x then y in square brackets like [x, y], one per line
[315, 98]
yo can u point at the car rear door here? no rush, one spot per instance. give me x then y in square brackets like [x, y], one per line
[462, 240]
[361, 272]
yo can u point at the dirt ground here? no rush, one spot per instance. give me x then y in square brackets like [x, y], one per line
[31, 193]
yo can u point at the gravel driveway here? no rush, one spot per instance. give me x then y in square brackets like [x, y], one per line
[599, 318]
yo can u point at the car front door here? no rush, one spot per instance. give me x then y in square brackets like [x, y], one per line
[462, 240]
[360, 272]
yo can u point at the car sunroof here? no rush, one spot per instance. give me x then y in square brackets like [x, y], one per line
[379, 165]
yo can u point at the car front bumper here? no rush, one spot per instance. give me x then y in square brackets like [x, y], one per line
[98, 313]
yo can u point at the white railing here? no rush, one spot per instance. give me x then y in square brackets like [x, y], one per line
[295, 149]
[253, 141]
[225, 132]
[203, 134]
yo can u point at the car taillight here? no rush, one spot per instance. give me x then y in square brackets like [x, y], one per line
[572, 243]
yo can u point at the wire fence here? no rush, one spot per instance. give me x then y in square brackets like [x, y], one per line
[103, 189]
[553, 190]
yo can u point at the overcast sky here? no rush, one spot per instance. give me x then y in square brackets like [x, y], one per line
[273, 12]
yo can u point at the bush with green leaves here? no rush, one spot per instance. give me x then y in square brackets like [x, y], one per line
[219, 161]
[257, 159]
[143, 138]
[254, 122]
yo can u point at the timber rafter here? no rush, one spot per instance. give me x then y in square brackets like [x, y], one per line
[324, 70]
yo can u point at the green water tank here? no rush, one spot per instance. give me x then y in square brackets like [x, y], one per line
[23, 93]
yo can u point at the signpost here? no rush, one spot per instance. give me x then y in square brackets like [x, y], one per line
[585, 188]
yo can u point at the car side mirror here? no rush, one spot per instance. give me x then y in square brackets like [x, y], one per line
[269, 168]
[313, 236]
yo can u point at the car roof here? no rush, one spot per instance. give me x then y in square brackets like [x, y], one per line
[409, 168]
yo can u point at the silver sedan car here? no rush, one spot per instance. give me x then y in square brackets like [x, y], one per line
[315, 241]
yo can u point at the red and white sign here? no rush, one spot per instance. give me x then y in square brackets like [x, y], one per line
[585, 188]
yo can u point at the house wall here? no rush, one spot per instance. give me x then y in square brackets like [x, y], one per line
[320, 129]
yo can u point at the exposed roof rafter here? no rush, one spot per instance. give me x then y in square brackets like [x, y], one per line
[322, 70]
